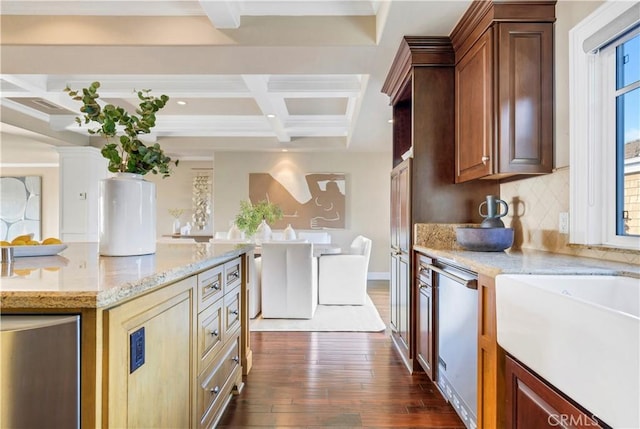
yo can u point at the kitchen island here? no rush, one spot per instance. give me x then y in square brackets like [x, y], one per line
[189, 302]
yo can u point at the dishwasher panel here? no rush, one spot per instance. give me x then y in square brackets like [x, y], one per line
[39, 371]
[458, 343]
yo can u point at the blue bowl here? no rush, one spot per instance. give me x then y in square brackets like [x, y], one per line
[484, 239]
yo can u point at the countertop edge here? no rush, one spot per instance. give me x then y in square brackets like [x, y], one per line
[77, 300]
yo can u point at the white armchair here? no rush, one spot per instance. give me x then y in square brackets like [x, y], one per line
[289, 280]
[343, 277]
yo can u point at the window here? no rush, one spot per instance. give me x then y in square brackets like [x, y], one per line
[605, 127]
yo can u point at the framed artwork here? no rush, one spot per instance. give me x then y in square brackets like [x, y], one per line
[20, 207]
[309, 201]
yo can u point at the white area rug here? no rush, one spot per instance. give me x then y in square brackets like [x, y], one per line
[328, 318]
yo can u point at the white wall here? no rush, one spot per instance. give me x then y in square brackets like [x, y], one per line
[568, 14]
[367, 199]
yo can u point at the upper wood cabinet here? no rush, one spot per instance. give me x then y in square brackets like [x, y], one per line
[504, 89]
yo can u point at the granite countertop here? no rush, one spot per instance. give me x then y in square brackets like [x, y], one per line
[529, 262]
[79, 277]
[439, 241]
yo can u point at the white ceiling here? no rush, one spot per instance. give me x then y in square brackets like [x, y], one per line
[255, 75]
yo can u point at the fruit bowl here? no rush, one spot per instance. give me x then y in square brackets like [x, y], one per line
[41, 250]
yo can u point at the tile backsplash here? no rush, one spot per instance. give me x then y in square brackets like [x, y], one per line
[534, 208]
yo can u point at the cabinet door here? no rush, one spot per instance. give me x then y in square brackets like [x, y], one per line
[424, 334]
[158, 392]
[474, 109]
[531, 403]
[525, 97]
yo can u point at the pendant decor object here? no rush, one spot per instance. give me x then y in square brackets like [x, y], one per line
[263, 233]
[201, 200]
[289, 233]
[128, 215]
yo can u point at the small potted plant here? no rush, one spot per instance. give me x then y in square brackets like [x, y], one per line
[251, 216]
[127, 195]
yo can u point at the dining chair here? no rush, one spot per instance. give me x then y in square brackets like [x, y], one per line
[289, 280]
[342, 278]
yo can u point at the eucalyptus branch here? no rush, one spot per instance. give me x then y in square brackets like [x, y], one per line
[127, 154]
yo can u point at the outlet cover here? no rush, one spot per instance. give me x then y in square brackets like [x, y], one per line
[563, 223]
[136, 350]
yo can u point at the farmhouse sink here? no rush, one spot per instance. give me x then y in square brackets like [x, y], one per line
[581, 333]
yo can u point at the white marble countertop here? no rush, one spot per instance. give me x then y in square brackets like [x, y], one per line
[530, 262]
[79, 278]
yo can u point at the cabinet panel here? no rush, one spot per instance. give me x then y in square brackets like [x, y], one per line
[531, 403]
[474, 107]
[210, 332]
[140, 398]
[525, 72]
[425, 332]
[217, 381]
[425, 322]
[210, 286]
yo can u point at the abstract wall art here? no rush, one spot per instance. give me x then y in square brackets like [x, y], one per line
[20, 206]
[308, 201]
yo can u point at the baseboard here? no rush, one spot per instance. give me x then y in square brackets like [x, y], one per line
[378, 276]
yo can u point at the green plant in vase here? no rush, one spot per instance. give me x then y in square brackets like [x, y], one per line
[251, 215]
[124, 149]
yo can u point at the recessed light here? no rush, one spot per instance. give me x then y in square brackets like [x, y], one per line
[271, 115]
[285, 150]
[182, 103]
[390, 121]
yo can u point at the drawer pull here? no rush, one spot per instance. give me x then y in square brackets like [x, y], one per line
[235, 312]
[215, 390]
[214, 333]
[236, 359]
[234, 275]
[422, 285]
[214, 286]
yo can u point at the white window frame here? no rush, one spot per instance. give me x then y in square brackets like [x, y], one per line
[592, 180]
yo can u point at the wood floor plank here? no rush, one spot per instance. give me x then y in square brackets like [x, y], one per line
[314, 380]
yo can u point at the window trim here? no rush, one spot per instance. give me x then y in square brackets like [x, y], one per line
[589, 204]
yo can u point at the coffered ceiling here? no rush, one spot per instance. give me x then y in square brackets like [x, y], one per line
[241, 75]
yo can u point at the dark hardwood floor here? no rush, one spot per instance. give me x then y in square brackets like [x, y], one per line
[328, 380]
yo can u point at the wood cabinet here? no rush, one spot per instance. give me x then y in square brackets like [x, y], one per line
[219, 371]
[504, 89]
[186, 337]
[490, 358]
[400, 284]
[156, 331]
[420, 85]
[426, 340]
[532, 403]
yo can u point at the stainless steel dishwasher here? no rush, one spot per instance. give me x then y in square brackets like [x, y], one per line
[457, 375]
[40, 371]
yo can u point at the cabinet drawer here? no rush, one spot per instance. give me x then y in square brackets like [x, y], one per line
[210, 286]
[232, 274]
[423, 272]
[232, 311]
[210, 331]
[215, 383]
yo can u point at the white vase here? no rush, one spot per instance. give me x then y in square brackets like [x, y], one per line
[176, 226]
[263, 233]
[234, 233]
[289, 233]
[128, 215]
